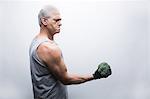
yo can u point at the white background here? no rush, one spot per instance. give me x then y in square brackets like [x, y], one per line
[115, 31]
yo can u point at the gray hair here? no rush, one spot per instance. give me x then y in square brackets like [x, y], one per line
[46, 12]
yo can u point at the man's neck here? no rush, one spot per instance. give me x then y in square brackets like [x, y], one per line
[44, 33]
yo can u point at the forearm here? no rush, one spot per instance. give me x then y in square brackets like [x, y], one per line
[78, 79]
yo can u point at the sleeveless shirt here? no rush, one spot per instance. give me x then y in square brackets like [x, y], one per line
[45, 85]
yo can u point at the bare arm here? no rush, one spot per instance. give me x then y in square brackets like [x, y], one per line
[50, 54]
[77, 79]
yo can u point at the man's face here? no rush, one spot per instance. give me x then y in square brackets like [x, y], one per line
[54, 22]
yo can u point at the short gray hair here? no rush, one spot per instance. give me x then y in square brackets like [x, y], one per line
[46, 12]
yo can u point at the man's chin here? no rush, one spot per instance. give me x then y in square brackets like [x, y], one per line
[58, 31]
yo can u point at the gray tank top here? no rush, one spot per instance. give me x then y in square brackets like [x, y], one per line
[45, 85]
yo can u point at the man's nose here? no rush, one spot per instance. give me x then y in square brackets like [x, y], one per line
[60, 24]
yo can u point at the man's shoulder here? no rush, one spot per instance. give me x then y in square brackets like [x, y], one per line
[49, 48]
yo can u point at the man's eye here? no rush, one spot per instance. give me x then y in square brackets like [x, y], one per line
[56, 20]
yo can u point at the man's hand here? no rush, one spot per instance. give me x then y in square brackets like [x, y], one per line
[103, 71]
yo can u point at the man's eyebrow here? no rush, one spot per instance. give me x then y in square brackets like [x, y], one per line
[58, 19]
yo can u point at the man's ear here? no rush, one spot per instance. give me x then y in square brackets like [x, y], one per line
[44, 21]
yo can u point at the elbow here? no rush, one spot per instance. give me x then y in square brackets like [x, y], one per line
[66, 81]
